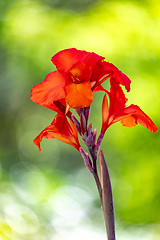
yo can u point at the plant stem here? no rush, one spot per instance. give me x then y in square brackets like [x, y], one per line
[105, 192]
[107, 200]
[95, 174]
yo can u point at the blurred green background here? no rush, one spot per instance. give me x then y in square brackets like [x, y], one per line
[50, 194]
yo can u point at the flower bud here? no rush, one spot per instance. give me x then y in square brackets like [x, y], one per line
[83, 123]
[86, 113]
[79, 111]
[89, 129]
[97, 146]
[94, 136]
[76, 123]
[87, 159]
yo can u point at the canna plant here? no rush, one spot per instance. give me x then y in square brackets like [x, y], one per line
[79, 74]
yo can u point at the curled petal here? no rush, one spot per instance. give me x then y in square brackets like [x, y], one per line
[104, 70]
[117, 98]
[117, 111]
[125, 81]
[51, 89]
[99, 73]
[99, 88]
[60, 129]
[44, 134]
[118, 76]
[139, 117]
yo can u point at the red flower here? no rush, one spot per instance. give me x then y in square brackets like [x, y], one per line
[60, 129]
[78, 74]
[117, 111]
[71, 80]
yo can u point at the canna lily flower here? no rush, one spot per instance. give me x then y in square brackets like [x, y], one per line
[60, 129]
[118, 111]
[71, 81]
[79, 74]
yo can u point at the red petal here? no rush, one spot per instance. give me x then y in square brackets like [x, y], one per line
[125, 81]
[90, 62]
[60, 129]
[44, 134]
[100, 71]
[105, 114]
[54, 107]
[141, 117]
[104, 70]
[99, 88]
[66, 59]
[51, 89]
[119, 77]
[79, 95]
[117, 99]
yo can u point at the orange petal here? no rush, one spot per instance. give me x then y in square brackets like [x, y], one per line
[141, 117]
[129, 121]
[46, 133]
[60, 129]
[51, 89]
[79, 95]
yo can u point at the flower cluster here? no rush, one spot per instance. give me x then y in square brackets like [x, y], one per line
[79, 74]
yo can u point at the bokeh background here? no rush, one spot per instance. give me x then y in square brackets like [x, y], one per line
[50, 194]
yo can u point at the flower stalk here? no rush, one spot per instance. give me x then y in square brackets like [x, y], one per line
[107, 200]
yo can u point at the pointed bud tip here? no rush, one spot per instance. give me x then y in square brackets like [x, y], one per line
[101, 155]
[80, 149]
[101, 152]
[87, 159]
[67, 109]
